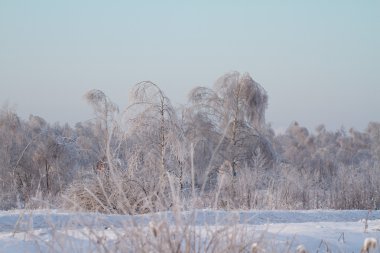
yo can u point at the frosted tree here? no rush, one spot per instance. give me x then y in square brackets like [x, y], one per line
[309, 153]
[154, 129]
[360, 145]
[373, 131]
[235, 110]
[55, 154]
[106, 126]
[298, 145]
[11, 152]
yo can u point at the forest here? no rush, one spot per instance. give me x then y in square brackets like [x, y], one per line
[216, 151]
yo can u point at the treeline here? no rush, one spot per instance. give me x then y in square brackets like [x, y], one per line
[217, 151]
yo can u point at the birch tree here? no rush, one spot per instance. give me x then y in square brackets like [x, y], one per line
[106, 125]
[153, 124]
[235, 110]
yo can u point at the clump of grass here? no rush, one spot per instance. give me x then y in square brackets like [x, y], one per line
[369, 244]
[301, 249]
[117, 192]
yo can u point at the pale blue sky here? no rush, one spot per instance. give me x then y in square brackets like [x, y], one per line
[318, 60]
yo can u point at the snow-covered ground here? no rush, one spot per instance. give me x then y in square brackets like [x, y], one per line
[283, 231]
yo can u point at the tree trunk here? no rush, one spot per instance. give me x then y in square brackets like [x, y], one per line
[47, 175]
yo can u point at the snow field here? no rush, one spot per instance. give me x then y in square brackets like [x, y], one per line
[196, 231]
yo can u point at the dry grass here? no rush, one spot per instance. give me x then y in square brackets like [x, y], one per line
[159, 236]
[281, 188]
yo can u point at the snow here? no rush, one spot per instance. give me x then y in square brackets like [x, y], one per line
[317, 230]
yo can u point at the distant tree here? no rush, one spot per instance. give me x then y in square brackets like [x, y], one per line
[12, 149]
[54, 154]
[373, 131]
[360, 147]
[311, 154]
[299, 146]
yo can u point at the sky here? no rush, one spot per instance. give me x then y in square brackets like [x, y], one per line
[319, 61]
